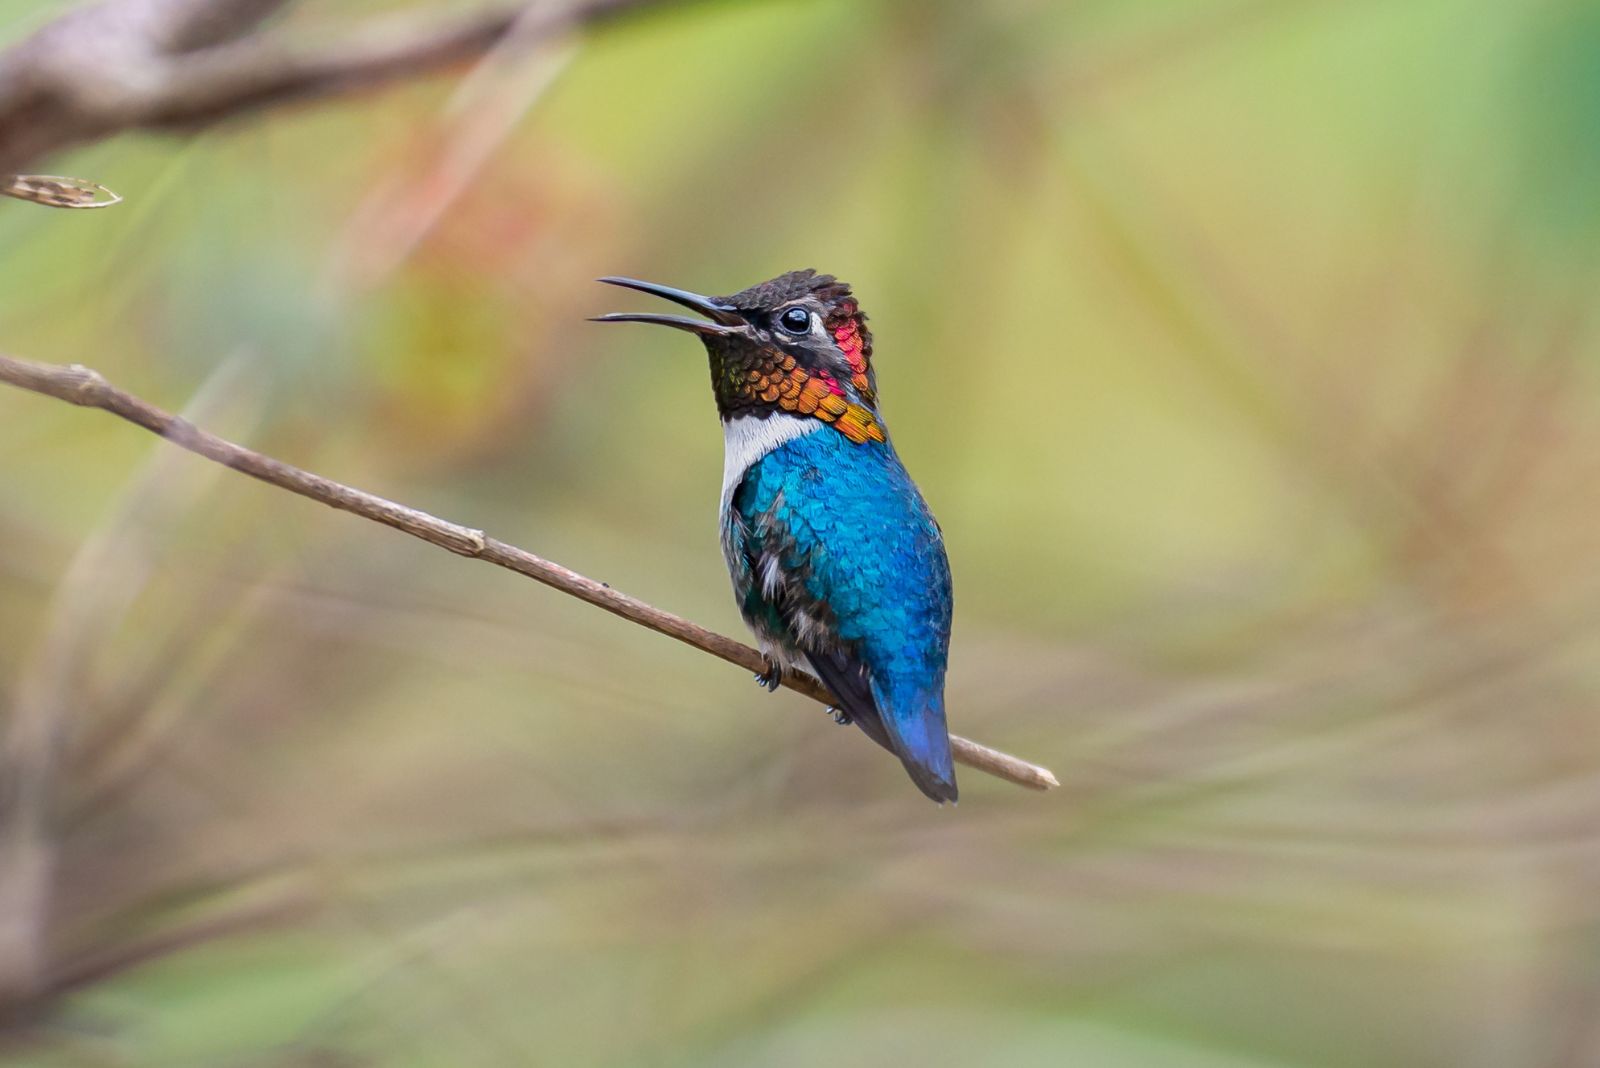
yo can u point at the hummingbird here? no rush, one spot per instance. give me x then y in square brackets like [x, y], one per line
[838, 566]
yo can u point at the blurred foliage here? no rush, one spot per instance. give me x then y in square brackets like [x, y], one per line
[1246, 352]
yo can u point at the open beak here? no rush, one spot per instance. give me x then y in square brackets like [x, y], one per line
[724, 320]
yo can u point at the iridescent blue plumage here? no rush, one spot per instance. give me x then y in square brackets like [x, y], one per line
[837, 562]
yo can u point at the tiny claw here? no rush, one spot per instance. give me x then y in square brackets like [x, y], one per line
[771, 678]
[840, 716]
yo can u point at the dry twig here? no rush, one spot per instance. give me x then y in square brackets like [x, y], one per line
[82, 386]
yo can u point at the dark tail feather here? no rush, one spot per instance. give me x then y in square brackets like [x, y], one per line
[915, 725]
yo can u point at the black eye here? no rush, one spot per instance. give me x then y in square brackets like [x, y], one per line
[795, 320]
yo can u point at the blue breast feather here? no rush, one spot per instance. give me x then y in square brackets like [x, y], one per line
[836, 558]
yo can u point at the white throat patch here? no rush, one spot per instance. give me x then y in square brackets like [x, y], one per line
[747, 438]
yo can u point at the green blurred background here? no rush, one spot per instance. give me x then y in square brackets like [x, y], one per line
[1245, 350]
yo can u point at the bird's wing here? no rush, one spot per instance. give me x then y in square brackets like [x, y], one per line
[787, 589]
[846, 678]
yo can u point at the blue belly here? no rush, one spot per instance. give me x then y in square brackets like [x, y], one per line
[832, 550]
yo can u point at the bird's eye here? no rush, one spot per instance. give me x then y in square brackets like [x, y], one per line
[795, 320]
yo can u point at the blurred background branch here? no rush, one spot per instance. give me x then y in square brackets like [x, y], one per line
[106, 575]
[122, 65]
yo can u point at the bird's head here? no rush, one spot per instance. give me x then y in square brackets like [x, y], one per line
[796, 345]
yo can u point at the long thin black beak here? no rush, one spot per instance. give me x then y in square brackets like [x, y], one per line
[725, 320]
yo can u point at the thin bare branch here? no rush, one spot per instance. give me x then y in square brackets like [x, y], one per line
[87, 388]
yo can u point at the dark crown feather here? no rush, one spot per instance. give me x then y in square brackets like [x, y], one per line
[833, 294]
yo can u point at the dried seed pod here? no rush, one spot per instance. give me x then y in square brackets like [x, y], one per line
[57, 192]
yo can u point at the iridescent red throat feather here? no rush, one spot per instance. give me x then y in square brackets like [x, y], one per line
[755, 379]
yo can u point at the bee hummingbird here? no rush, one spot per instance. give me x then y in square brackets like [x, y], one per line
[837, 564]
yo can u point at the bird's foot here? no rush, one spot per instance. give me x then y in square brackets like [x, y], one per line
[771, 678]
[840, 716]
